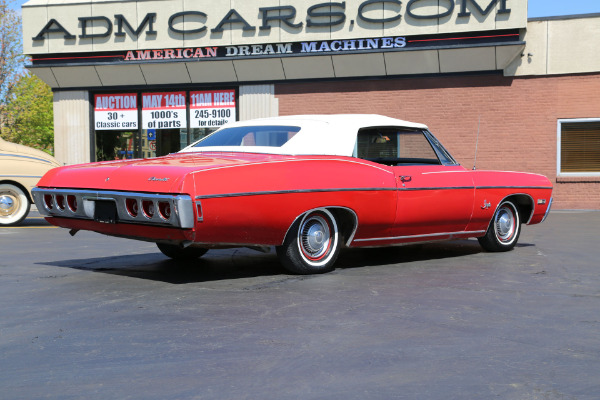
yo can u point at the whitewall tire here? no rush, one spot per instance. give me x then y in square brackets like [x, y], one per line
[504, 229]
[14, 204]
[312, 244]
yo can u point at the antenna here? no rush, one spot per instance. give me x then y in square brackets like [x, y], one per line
[477, 142]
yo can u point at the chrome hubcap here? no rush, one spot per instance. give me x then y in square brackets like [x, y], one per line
[315, 235]
[505, 224]
[8, 205]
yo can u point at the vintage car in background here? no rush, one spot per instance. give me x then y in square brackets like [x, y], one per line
[308, 185]
[21, 167]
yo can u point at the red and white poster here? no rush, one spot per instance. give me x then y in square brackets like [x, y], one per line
[212, 108]
[115, 111]
[164, 110]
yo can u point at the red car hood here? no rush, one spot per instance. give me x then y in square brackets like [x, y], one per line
[160, 175]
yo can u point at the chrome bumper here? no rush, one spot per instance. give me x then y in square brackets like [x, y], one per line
[72, 203]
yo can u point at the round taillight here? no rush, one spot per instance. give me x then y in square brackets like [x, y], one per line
[60, 202]
[148, 207]
[72, 203]
[48, 201]
[132, 207]
[164, 209]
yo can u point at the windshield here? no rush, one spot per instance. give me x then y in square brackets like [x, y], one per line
[245, 136]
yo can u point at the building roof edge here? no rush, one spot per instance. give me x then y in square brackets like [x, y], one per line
[564, 17]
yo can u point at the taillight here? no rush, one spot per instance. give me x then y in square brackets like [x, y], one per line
[132, 207]
[164, 209]
[48, 201]
[148, 208]
[60, 202]
[72, 202]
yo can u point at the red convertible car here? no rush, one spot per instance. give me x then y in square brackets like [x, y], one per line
[308, 185]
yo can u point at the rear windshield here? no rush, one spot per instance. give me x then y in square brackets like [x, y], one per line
[246, 136]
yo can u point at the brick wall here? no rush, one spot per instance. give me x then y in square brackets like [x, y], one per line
[518, 117]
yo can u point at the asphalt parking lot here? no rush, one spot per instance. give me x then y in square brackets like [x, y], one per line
[93, 317]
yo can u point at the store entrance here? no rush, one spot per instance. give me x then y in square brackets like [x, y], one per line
[116, 145]
[160, 142]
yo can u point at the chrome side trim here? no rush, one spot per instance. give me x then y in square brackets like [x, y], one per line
[436, 188]
[513, 187]
[22, 156]
[429, 235]
[382, 189]
[182, 207]
[547, 210]
[20, 176]
[272, 192]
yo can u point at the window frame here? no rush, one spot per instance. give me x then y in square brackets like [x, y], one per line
[560, 174]
[444, 157]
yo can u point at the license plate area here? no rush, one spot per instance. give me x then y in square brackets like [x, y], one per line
[105, 211]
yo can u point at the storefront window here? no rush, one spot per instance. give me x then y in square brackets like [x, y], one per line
[160, 142]
[115, 145]
[200, 133]
[164, 123]
[163, 128]
[116, 123]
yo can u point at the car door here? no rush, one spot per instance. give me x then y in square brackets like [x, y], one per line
[432, 200]
[434, 194]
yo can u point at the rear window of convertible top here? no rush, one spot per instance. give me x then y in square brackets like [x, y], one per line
[270, 136]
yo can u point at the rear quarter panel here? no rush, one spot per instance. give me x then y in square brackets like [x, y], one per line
[257, 203]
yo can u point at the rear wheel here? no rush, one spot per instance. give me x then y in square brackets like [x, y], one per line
[312, 244]
[14, 204]
[504, 230]
[179, 253]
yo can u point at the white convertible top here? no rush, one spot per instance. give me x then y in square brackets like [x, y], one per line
[319, 134]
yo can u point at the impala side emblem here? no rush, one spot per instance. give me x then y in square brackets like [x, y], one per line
[486, 205]
[155, 179]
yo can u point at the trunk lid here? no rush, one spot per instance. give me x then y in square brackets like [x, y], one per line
[156, 175]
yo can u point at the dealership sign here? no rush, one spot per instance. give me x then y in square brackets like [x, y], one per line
[322, 47]
[325, 46]
[371, 14]
[115, 111]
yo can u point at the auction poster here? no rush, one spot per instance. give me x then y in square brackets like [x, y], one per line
[165, 110]
[212, 108]
[115, 111]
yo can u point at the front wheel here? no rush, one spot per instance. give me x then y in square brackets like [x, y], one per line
[312, 244]
[14, 205]
[504, 230]
[179, 253]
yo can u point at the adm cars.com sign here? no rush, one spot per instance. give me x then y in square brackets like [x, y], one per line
[322, 17]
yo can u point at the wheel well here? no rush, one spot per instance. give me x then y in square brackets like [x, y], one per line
[17, 184]
[524, 204]
[346, 220]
